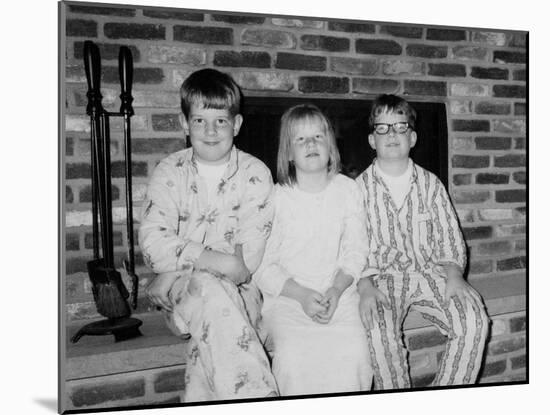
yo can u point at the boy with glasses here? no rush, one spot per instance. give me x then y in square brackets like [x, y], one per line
[416, 258]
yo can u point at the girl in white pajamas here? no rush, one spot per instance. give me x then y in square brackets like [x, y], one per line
[313, 258]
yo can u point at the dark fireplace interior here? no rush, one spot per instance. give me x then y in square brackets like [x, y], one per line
[260, 131]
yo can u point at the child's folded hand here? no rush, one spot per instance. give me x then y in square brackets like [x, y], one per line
[330, 301]
[312, 303]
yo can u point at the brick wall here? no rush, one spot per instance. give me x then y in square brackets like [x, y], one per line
[161, 386]
[480, 75]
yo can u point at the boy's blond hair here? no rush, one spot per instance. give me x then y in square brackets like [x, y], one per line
[211, 88]
[286, 171]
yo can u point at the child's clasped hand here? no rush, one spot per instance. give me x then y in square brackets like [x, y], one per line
[320, 308]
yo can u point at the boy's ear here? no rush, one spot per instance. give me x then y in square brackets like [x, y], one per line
[237, 122]
[184, 124]
[413, 138]
[372, 142]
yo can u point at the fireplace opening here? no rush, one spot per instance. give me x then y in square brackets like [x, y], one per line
[259, 133]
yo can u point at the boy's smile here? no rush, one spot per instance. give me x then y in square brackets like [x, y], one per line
[392, 145]
[211, 132]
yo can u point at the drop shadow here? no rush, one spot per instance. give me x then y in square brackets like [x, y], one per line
[48, 403]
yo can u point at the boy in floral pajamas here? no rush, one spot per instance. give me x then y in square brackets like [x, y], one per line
[416, 258]
[205, 221]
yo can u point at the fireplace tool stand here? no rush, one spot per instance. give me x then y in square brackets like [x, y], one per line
[109, 292]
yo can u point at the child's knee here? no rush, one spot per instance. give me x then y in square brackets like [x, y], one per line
[194, 287]
[183, 288]
[476, 322]
[213, 290]
[478, 313]
[201, 282]
[483, 322]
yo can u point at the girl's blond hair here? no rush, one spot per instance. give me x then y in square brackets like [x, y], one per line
[286, 171]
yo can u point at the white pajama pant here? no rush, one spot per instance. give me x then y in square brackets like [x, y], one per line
[465, 326]
[225, 356]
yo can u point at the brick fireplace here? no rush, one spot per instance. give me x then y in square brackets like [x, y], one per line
[472, 82]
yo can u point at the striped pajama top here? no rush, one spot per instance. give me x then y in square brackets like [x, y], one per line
[421, 235]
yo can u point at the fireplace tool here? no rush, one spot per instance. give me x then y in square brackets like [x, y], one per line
[109, 292]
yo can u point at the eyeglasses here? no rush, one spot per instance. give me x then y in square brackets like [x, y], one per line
[397, 127]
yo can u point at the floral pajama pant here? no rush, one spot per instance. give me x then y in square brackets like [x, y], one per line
[465, 326]
[225, 356]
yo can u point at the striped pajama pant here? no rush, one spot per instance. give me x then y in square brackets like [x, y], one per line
[465, 327]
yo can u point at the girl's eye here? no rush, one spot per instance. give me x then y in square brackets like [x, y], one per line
[198, 121]
[299, 139]
[222, 121]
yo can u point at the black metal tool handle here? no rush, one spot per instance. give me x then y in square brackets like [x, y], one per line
[126, 74]
[107, 206]
[92, 68]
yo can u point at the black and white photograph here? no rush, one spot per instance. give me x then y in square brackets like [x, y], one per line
[261, 206]
[302, 209]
